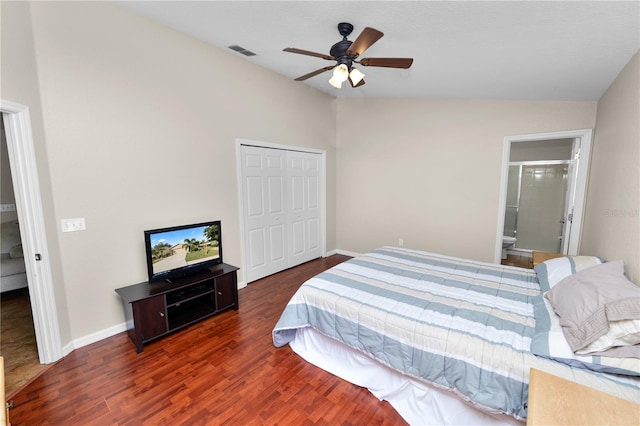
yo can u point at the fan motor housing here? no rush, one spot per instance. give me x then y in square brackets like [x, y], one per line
[340, 48]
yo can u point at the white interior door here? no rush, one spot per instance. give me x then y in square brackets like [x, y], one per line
[303, 183]
[263, 185]
[282, 205]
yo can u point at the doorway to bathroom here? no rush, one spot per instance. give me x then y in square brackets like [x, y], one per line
[543, 191]
[536, 204]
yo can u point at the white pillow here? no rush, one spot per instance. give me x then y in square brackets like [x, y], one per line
[552, 271]
[621, 333]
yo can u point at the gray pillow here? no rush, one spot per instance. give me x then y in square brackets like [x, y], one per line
[589, 300]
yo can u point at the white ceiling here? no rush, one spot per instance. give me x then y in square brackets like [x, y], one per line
[554, 50]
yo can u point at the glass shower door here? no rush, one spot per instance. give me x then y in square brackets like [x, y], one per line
[542, 207]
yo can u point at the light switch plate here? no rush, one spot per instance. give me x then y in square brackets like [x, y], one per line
[72, 225]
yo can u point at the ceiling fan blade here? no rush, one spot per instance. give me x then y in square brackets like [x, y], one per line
[314, 73]
[360, 83]
[367, 37]
[387, 62]
[309, 53]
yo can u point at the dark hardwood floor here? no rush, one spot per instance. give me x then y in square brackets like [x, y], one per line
[224, 370]
[18, 340]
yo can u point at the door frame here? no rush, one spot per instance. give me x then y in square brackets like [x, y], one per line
[26, 184]
[579, 184]
[323, 192]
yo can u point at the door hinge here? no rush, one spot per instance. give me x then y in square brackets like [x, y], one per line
[570, 217]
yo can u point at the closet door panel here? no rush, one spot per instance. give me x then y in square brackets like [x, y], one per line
[277, 240]
[257, 249]
[255, 207]
[297, 241]
[304, 206]
[263, 180]
[313, 231]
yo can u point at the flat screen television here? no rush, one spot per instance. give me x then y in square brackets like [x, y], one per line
[179, 251]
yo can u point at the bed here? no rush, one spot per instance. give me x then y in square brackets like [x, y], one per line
[445, 340]
[12, 267]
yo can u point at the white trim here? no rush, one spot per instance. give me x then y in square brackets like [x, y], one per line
[323, 189]
[585, 136]
[348, 253]
[24, 171]
[95, 337]
[259, 144]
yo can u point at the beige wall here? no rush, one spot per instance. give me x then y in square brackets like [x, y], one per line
[139, 125]
[428, 171]
[611, 224]
[19, 81]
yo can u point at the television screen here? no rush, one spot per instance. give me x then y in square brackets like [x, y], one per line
[181, 250]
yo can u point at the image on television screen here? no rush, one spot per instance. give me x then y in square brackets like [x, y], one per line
[184, 247]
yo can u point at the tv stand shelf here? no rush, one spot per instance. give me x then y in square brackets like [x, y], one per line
[155, 309]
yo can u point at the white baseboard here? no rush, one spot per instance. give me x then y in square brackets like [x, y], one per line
[348, 253]
[112, 331]
[93, 337]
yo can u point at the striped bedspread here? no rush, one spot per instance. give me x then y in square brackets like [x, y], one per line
[462, 325]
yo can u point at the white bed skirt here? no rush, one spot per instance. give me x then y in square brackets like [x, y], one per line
[417, 402]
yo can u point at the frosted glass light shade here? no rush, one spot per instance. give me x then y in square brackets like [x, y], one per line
[355, 76]
[335, 83]
[340, 74]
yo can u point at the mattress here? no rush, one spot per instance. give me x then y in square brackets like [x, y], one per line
[460, 326]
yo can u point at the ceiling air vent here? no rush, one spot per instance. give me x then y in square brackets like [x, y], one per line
[242, 50]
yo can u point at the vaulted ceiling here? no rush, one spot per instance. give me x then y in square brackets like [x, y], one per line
[528, 50]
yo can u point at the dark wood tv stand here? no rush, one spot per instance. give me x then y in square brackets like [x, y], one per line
[155, 309]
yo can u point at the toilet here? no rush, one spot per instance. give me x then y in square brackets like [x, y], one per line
[507, 243]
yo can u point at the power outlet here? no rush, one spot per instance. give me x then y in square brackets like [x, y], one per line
[72, 225]
[7, 207]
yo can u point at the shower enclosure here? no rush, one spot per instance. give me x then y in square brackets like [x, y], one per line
[535, 207]
[556, 164]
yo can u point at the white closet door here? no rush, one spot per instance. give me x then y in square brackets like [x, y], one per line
[263, 185]
[303, 206]
[282, 208]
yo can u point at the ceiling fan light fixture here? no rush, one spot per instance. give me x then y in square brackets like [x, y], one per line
[335, 82]
[341, 72]
[356, 76]
[346, 53]
[340, 75]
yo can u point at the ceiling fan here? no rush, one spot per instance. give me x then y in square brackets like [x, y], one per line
[346, 53]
